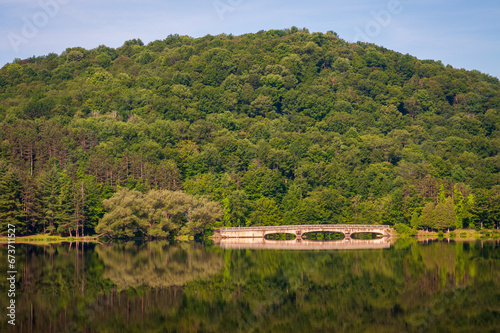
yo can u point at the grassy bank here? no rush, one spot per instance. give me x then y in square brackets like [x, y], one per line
[461, 234]
[48, 239]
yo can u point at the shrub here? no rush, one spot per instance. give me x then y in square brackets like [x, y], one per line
[404, 230]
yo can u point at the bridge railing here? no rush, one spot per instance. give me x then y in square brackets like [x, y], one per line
[307, 226]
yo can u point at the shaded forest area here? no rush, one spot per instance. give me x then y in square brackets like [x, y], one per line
[277, 127]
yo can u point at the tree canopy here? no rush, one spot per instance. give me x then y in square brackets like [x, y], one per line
[277, 127]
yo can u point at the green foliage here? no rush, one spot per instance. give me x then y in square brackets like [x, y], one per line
[278, 127]
[324, 236]
[404, 230]
[416, 221]
[156, 214]
[458, 200]
[127, 215]
[11, 209]
[280, 236]
[50, 190]
[439, 216]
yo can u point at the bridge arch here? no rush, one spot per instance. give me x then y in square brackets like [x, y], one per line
[323, 236]
[367, 235]
[280, 236]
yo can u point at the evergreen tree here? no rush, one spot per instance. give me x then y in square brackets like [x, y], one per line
[50, 192]
[428, 217]
[94, 195]
[11, 208]
[64, 218]
[440, 218]
[458, 200]
[416, 221]
[480, 211]
[495, 206]
[441, 194]
[31, 204]
[450, 215]
[468, 216]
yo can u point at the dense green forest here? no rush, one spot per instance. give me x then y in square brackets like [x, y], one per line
[278, 127]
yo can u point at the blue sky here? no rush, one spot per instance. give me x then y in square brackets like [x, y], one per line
[464, 34]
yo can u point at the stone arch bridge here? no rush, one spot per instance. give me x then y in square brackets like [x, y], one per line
[300, 230]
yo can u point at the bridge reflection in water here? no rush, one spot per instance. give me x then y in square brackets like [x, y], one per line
[255, 237]
[299, 244]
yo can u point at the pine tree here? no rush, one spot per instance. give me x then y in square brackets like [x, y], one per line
[50, 191]
[480, 210]
[450, 217]
[416, 221]
[441, 194]
[428, 217]
[64, 214]
[440, 221]
[11, 208]
[31, 205]
[467, 212]
[495, 205]
[459, 208]
[94, 194]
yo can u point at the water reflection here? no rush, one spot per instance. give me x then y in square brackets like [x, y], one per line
[300, 244]
[129, 287]
[156, 264]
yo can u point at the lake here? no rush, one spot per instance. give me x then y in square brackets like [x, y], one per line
[406, 286]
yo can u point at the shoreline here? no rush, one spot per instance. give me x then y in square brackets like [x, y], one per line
[46, 239]
[462, 234]
[458, 235]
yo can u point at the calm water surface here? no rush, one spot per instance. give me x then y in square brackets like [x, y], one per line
[158, 287]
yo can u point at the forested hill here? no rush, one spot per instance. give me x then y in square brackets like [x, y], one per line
[277, 127]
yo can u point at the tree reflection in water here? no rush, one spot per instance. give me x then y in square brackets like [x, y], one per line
[156, 264]
[188, 288]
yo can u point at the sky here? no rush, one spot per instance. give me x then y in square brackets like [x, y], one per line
[463, 34]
